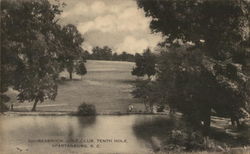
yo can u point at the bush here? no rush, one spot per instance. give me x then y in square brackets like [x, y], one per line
[3, 106]
[86, 109]
[187, 139]
[160, 108]
[63, 78]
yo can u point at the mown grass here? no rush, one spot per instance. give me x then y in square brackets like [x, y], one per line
[107, 85]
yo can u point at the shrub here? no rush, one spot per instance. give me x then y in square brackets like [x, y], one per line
[86, 109]
[3, 106]
[187, 139]
[63, 78]
[160, 108]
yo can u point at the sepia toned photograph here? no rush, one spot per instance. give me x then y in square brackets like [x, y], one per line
[125, 77]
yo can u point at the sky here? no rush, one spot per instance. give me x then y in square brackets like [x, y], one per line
[118, 24]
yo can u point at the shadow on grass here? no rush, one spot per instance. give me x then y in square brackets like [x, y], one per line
[131, 82]
[65, 81]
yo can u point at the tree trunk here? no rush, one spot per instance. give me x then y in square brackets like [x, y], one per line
[207, 119]
[34, 105]
[151, 108]
[146, 107]
[149, 77]
[70, 75]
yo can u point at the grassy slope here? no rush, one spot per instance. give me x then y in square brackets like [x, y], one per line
[107, 85]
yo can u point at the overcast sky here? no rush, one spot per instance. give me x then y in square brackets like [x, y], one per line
[118, 24]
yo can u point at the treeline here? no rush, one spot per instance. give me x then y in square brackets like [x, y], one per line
[106, 53]
[35, 49]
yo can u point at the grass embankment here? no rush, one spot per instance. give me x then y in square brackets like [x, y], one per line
[107, 85]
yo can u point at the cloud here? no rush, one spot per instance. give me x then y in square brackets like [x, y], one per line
[79, 9]
[116, 23]
[94, 9]
[87, 46]
[131, 19]
[98, 7]
[131, 44]
[103, 23]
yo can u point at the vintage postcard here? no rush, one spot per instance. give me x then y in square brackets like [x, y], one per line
[125, 76]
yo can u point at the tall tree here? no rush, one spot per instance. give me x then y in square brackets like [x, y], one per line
[139, 69]
[214, 65]
[72, 51]
[81, 69]
[145, 64]
[150, 60]
[29, 49]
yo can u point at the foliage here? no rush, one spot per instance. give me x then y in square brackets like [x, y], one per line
[106, 53]
[29, 49]
[72, 51]
[81, 69]
[177, 136]
[124, 56]
[187, 139]
[145, 64]
[3, 99]
[33, 48]
[149, 92]
[197, 77]
[86, 54]
[99, 53]
[86, 109]
[138, 70]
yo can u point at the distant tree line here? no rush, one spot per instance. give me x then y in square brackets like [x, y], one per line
[106, 53]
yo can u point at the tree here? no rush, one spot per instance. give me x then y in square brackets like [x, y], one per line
[29, 49]
[124, 56]
[138, 70]
[115, 56]
[86, 55]
[149, 66]
[104, 53]
[213, 67]
[149, 92]
[81, 69]
[72, 50]
[145, 64]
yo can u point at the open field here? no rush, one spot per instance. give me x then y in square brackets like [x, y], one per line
[107, 85]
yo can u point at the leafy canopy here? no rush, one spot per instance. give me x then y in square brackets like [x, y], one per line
[205, 56]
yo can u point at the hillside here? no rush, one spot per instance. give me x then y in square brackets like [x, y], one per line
[107, 85]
